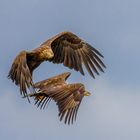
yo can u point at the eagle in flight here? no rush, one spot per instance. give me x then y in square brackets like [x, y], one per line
[67, 96]
[66, 48]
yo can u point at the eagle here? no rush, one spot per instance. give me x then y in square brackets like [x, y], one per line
[67, 96]
[66, 48]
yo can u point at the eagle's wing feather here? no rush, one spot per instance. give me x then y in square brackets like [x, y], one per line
[68, 98]
[20, 73]
[68, 107]
[73, 52]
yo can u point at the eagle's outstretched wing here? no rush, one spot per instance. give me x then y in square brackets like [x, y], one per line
[68, 106]
[46, 85]
[68, 98]
[20, 73]
[73, 52]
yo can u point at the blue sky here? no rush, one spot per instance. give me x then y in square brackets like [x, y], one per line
[113, 27]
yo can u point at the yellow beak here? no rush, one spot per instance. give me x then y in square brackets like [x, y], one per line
[86, 93]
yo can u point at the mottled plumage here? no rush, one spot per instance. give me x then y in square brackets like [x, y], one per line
[67, 96]
[66, 48]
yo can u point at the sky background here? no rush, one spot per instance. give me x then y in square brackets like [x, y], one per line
[112, 112]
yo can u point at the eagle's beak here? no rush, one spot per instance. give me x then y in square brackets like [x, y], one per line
[86, 93]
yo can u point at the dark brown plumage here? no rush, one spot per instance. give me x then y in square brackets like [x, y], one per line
[67, 96]
[66, 48]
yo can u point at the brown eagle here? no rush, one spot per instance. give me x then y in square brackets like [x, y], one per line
[66, 48]
[67, 96]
